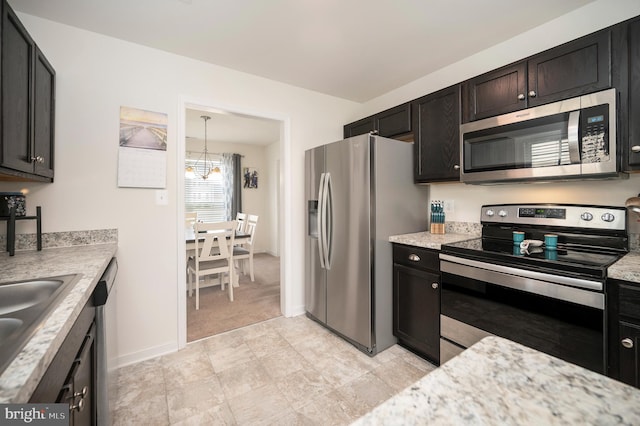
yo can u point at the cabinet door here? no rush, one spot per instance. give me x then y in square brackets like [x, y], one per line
[416, 310]
[359, 127]
[629, 356]
[395, 121]
[633, 151]
[579, 67]
[17, 68]
[43, 115]
[84, 382]
[496, 92]
[436, 131]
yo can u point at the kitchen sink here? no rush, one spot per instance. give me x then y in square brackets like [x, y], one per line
[24, 306]
[8, 326]
[18, 296]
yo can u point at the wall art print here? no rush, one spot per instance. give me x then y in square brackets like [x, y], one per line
[250, 177]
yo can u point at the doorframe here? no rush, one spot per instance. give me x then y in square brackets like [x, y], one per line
[284, 203]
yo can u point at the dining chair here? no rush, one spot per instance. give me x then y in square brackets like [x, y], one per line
[190, 218]
[244, 252]
[241, 218]
[213, 254]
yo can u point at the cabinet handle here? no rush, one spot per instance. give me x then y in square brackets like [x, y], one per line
[84, 392]
[456, 167]
[521, 97]
[627, 343]
[79, 406]
[434, 285]
[532, 94]
[635, 148]
[37, 159]
[414, 257]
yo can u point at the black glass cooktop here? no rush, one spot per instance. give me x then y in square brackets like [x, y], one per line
[564, 260]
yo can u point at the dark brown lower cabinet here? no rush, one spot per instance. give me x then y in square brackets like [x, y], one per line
[629, 342]
[71, 377]
[416, 300]
[624, 331]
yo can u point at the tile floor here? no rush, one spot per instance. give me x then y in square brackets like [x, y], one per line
[284, 371]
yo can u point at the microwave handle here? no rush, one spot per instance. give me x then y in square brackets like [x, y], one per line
[573, 128]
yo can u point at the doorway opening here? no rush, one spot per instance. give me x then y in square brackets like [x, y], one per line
[260, 140]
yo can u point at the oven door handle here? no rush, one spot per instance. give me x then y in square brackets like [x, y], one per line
[530, 281]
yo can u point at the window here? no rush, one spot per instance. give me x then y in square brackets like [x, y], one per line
[206, 197]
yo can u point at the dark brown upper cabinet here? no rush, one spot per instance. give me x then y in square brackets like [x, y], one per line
[496, 92]
[436, 134]
[633, 145]
[43, 115]
[390, 123]
[360, 127]
[572, 69]
[28, 103]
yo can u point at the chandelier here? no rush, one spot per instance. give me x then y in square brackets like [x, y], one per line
[204, 166]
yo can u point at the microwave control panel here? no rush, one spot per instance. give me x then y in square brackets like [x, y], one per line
[594, 126]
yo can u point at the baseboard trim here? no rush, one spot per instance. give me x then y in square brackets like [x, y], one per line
[297, 310]
[146, 354]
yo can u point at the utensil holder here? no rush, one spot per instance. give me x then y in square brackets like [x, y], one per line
[437, 228]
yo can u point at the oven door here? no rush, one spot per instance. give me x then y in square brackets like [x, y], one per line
[478, 299]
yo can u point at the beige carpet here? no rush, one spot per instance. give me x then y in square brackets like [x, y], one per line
[253, 301]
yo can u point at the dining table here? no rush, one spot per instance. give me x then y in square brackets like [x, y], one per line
[190, 238]
[190, 243]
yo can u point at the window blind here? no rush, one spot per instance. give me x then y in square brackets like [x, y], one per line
[551, 153]
[205, 197]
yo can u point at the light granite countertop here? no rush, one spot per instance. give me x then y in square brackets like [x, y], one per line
[20, 378]
[429, 240]
[627, 268]
[497, 381]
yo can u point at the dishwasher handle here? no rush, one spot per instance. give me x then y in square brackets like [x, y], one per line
[103, 288]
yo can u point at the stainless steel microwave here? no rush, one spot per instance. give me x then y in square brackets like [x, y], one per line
[569, 139]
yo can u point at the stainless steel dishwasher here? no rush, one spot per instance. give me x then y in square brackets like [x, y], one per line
[104, 298]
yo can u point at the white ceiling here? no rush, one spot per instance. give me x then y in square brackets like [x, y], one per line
[231, 128]
[352, 49]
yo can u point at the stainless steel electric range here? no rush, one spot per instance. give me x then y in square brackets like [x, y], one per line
[549, 298]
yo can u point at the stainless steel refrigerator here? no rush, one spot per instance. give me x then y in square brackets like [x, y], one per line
[358, 191]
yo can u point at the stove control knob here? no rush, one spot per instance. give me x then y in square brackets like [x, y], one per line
[490, 213]
[608, 217]
[502, 213]
[586, 216]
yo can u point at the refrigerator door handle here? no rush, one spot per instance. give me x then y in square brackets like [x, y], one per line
[320, 217]
[328, 241]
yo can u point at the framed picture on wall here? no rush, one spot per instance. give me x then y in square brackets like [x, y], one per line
[250, 177]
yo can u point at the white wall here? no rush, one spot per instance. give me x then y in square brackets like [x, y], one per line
[468, 198]
[95, 76]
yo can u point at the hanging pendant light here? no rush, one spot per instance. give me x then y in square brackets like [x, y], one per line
[204, 166]
[189, 173]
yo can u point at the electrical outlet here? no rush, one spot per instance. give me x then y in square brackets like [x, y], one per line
[448, 206]
[162, 197]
